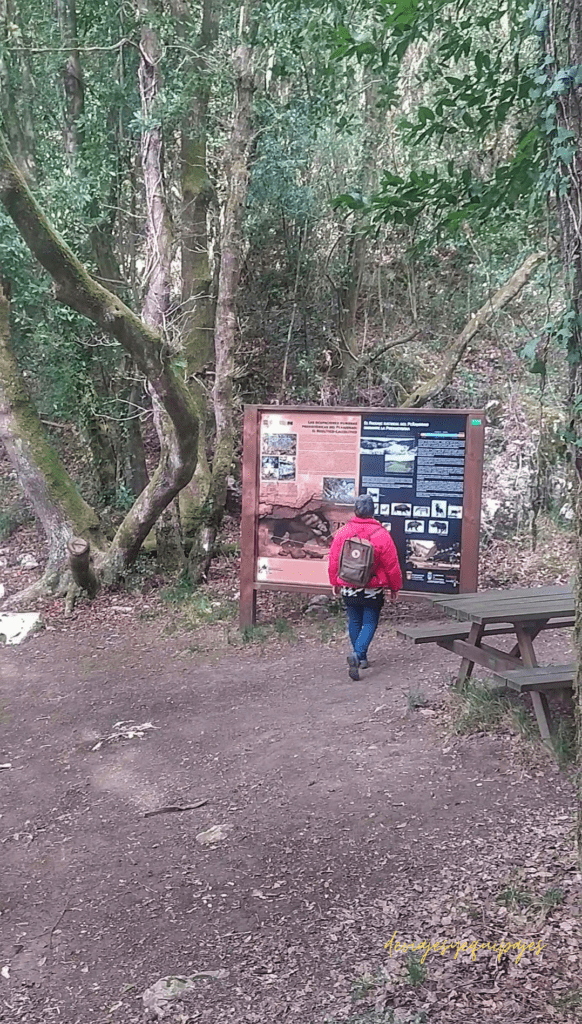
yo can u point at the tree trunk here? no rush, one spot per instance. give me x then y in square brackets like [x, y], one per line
[72, 81]
[156, 305]
[452, 355]
[16, 100]
[348, 299]
[56, 501]
[75, 288]
[236, 166]
[133, 469]
[158, 230]
[564, 39]
[79, 551]
[349, 294]
[197, 299]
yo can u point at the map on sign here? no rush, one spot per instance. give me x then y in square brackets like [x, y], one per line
[313, 465]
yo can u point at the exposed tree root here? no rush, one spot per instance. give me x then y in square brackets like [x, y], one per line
[53, 583]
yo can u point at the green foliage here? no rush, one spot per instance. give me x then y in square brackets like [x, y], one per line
[412, 149]
[479, 708]
[484, 74]
[283, 628]
[180, 591]
[124, 498]
[564, 742]
[516, 897]
[254, 634]
[415, 969]
[513, 896]
[364, 986]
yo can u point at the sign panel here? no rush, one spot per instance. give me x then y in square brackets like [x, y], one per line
[303, 468]
[413, 465]
[309, 472]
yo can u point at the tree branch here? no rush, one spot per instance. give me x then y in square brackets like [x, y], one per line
[452, 355]
[76, 288]
[376, 353]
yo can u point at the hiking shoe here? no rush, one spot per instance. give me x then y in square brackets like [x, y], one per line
[364, 663]
[354, 664]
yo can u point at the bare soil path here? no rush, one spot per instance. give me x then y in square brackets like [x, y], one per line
[347, 816]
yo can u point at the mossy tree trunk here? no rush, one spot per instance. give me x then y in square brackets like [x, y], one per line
[158, 250]
[74, 286]
[236, 166]
[197, 298]
[72, 81]
[564, 38]
[57, 504]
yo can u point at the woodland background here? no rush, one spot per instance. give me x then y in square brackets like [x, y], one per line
[302, 202]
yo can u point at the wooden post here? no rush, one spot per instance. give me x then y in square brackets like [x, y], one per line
[471, 525]
[250, 503]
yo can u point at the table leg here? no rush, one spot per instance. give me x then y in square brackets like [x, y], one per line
[532, 632]
[543, 714]
[539, 700]
[466, 669]
[525, 644]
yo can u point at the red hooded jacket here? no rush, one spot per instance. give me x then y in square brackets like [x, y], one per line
[387, 572]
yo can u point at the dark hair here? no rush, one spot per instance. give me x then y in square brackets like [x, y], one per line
[364, 507]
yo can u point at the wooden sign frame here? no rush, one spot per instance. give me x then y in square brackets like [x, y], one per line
[251, 468]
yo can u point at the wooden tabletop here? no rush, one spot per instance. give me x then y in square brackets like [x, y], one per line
[520, 605]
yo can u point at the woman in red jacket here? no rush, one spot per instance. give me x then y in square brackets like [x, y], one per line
[363, 605]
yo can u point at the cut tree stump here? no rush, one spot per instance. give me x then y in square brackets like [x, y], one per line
[81, 567]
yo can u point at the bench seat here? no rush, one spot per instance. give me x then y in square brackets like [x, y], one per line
[541, 678]
[431, 634]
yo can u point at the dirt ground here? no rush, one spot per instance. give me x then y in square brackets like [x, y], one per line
[347, 816]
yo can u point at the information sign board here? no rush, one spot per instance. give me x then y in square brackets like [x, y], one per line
[303, 467]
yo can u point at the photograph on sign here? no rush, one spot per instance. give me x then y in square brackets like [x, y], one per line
[279, 444]
[414, 526]
[438, 526]
[439, 510]
[339, 489]
[398, 509]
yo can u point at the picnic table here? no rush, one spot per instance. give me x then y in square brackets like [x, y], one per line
[523, 613]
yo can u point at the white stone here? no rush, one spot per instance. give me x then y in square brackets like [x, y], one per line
[158, 998]
[16, 626]
[28, 562]
[212, 835]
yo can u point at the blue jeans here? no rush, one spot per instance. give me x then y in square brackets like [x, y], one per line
[363, 617]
